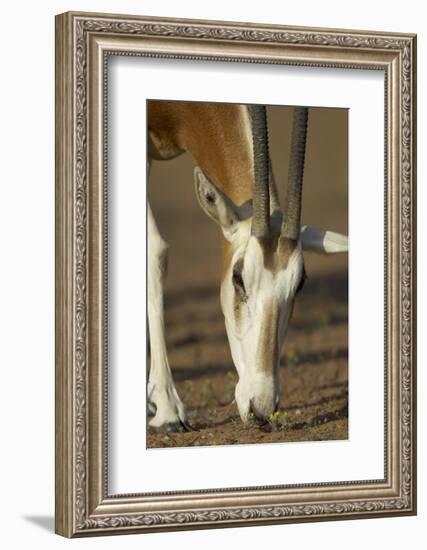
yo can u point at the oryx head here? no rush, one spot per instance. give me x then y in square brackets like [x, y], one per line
[264, 268]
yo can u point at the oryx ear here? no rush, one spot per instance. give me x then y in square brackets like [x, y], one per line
[215, 203]
[325, 242]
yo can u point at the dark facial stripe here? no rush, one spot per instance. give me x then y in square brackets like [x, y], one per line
[267, 353]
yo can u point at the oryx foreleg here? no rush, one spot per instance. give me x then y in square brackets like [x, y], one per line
[162, 394]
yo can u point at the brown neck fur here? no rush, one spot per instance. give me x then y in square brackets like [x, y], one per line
[217, 136]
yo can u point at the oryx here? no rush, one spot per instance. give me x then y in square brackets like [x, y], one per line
[263, 265]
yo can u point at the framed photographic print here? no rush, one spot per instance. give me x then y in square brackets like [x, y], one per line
[235, 274]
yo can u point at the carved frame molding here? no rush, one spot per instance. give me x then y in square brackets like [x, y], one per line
[83, 42]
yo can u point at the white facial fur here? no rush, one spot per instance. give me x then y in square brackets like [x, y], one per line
[266, 304]
[257, 304]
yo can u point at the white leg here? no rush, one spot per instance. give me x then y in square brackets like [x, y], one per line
[169, 410]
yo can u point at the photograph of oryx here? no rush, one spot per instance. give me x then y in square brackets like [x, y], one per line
[247, 273]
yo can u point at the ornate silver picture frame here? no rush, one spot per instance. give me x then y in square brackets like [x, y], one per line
[84, 506]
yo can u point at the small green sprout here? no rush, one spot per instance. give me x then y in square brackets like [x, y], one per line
[278, 420]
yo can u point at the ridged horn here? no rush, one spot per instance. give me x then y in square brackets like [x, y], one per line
[261, 201]
[292, 212]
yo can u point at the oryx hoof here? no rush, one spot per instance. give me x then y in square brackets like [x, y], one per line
[170, 415]
[178, 426]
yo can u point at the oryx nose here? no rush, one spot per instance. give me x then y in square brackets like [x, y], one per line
[256, 412]
[263, 411]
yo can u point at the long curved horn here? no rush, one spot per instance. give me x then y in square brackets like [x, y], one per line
[261, 202]
[292, 212]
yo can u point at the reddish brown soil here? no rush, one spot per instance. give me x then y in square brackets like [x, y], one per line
[313, 370]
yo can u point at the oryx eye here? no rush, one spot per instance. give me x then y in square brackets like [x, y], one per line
[238, 280]
[302, 281]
